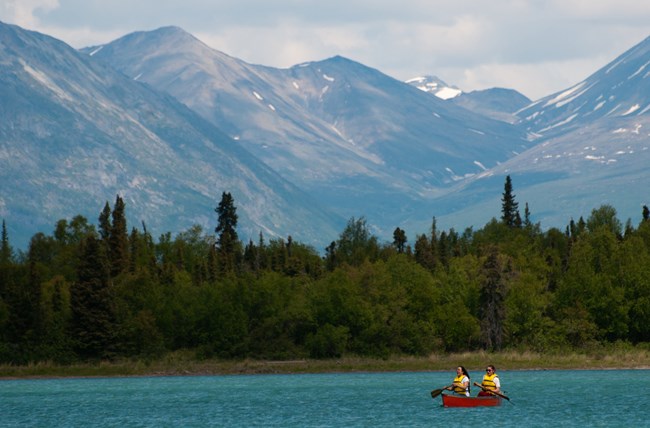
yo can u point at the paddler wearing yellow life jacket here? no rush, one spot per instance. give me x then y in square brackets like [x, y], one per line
[490, 382]
[460, 384]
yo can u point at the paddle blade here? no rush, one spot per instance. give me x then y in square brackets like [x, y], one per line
[436, 392]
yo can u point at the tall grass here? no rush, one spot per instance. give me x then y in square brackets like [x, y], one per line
[185, 363]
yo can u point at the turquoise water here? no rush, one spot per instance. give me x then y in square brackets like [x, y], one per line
[588, 398]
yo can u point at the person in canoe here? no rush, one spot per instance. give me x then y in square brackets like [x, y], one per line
[460, 385]
[490, 382]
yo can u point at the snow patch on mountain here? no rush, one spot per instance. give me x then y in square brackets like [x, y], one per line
[564, 122]
[99, 48]
[448, 93]
[480, 165]
[565, 96]
[631, 110]
[435, 86]
[636, 73]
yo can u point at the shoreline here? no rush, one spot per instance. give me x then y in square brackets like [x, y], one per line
[183, 363]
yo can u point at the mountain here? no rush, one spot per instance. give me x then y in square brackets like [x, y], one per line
[617, 92]
[169, 123]
[361, 142]
[75, 133]
[435, 86]
[497, 103]
[591, 147]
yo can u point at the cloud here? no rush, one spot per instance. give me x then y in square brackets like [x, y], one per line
[534, 46]
[22, 12]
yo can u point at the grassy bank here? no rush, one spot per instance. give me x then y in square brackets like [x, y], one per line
[184, 363]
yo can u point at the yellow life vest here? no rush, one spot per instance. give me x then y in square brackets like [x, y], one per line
[461, 390]
[488, 382]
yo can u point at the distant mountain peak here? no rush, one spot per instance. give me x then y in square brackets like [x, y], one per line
[435, 86]
[164, 39]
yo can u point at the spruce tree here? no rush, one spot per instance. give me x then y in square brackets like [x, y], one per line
[118, 241]
[434, 239]
[227, 239]
[423, 254]
[105, 222]
[399, 240]
[527, 222]
[93, 310]
[509, 207]
[330, 257]
[492, 300]
[6, 253]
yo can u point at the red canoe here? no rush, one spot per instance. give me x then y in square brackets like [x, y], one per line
[459, 401]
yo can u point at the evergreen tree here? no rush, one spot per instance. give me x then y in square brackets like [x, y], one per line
[527, 222]
[582, 226]
[399, 240]
[423, 254]
[646, 213]
[118, 239]
[6, 252]
[444, 252]
[105, 223]
[260, 256]
[93, 310]
[254, 255]
[227, 239]
[213, 265]
[453, 246]
[250, 255]
[434, 240]
[509, 207]
[492, 301]
[6, 259]
[330, 257]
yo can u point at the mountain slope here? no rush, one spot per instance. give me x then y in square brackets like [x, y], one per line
[75, 133]
[592, 148]
[618, 90]
[497, 103]
[240, 98]
[361, 142]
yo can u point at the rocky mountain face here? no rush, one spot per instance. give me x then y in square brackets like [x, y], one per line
[75, 133]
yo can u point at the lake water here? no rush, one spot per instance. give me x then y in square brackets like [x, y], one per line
[590, 398]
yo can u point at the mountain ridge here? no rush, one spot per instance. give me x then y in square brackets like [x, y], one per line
[360, 137]
[336, 139]
[97, 133]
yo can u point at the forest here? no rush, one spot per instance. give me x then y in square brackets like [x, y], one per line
[100, 292]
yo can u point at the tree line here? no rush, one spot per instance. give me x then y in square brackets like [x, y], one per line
[89, 292]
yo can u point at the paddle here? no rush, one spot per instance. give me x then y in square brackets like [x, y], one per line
[490, 391]
[437, 392]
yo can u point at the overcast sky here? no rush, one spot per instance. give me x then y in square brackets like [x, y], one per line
[534, 46]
